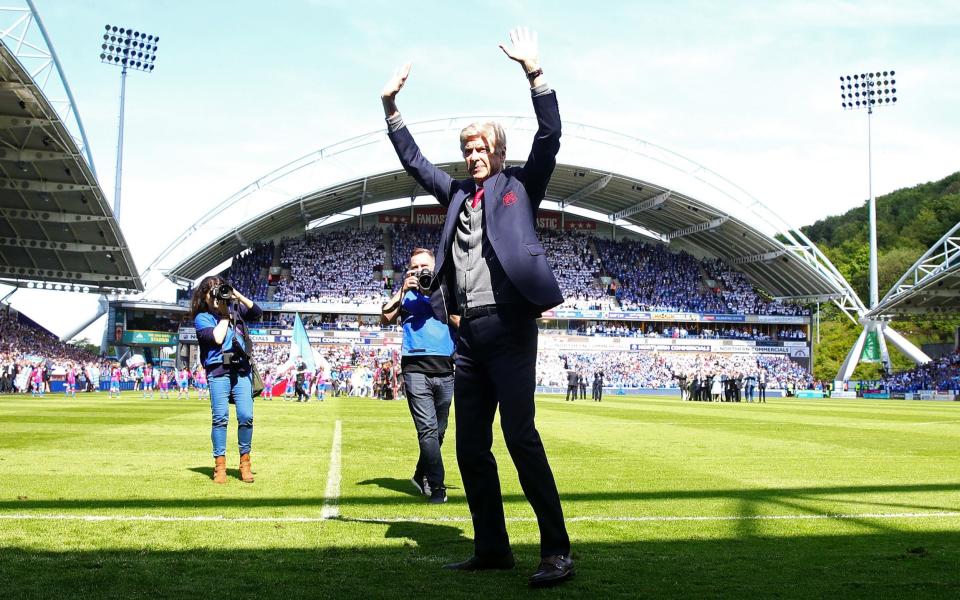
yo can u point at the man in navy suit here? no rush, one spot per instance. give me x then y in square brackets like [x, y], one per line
[493, 281]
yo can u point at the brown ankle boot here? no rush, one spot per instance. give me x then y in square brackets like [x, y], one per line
[246, 475]
[220, 470]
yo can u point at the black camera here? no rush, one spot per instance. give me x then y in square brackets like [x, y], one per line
[224, 291]
[425, 279]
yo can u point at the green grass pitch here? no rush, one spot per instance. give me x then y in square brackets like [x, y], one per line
[792, 499]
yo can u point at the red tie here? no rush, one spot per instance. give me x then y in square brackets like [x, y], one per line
[477, 198]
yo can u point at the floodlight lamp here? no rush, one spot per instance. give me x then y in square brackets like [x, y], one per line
[107, 28]
[103, 56]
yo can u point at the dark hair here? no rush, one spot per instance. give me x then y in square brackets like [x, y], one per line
[198, 303]
[426, 251]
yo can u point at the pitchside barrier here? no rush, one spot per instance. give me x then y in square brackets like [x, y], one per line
[639, 391]
[931, 395]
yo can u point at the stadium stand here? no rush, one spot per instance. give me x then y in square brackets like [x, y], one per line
[26, 347]
[341, 266]
[335, 266]
[941, 374]
[660, 369]
[248, 272]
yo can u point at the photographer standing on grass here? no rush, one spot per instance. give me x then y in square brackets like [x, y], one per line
[219, 312]
[427, 367]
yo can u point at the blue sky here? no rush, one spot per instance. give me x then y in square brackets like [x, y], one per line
[748, 89]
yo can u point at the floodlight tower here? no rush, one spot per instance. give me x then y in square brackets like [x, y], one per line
[126, 48]
[869, 91]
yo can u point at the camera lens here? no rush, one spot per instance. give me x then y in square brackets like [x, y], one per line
[224, 291]
[425, 278]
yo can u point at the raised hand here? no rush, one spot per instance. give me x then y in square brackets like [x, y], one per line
[395, 83]
[390, 90]
[523, 48]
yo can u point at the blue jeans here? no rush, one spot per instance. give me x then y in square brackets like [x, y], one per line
[225, 389]
[429, 399]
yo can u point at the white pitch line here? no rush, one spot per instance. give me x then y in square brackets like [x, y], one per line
[332, 494]
[583, 519]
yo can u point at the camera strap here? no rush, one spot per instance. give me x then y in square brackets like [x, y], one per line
[241, 326]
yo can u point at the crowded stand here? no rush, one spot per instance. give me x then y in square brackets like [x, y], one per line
[661, 370]
[651, 278]
[334, 267]
[576, 269]
[690, 330]
[340, 267]
[248, 270]
[941, 374]
[408, 237]
[30, 355]
[739, 296]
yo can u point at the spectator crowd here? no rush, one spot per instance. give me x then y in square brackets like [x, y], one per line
[333, 267]
[593, 273]
[662, 370]
[941, 374]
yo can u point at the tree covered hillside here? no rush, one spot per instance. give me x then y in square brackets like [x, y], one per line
[909, 221]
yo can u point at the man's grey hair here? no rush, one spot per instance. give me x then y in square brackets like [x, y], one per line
[490, 132]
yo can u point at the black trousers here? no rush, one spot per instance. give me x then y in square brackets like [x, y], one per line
[571, 392]
[496, 367]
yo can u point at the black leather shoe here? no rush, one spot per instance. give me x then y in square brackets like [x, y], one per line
[478, 563]
[553, 570]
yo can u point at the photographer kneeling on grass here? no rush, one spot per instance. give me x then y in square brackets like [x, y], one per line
[219, 312]
[427, 366]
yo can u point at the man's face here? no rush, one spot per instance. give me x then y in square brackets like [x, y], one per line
[421, 261]
[482, 159]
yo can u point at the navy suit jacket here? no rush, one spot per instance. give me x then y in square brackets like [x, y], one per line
[510, 202]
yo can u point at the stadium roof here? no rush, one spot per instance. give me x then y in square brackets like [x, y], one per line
[604, 175]
[931, 285]
[56, 228]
